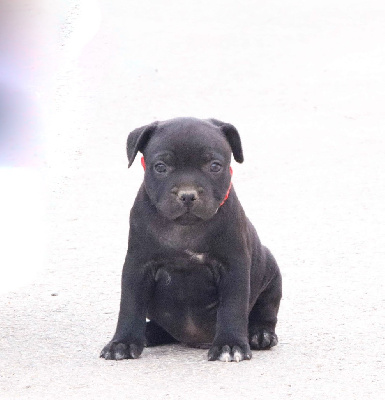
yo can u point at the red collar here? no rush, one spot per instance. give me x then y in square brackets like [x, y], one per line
[228, 191]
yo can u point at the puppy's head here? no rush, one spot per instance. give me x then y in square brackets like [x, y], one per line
[187, 164]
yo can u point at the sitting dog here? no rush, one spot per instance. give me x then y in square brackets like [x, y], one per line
[195, 267]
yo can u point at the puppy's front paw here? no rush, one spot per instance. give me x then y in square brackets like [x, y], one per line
[229, 353]
[263, 340]
[121, 351]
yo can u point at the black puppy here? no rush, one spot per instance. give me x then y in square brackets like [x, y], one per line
[194, 266]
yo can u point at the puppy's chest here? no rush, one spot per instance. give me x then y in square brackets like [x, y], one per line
[187, 240]
[185, 248]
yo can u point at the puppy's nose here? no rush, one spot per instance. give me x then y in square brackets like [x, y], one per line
[187, 197]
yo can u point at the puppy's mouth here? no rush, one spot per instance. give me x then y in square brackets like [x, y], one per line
[188, 219]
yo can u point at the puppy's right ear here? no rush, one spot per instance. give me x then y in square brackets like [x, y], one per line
[138, 139]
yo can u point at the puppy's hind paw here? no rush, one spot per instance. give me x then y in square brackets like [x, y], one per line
[263, 340]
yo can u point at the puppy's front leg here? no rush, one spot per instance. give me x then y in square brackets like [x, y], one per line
[129, 338]
[231, 339]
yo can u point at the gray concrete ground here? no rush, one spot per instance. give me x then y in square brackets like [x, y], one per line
[304, 83]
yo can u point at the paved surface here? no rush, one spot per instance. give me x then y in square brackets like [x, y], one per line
[304, 84]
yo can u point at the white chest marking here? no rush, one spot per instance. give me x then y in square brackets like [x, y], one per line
[199, 257]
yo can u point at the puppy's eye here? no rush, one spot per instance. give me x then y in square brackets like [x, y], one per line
[215, 167]
[160, 168]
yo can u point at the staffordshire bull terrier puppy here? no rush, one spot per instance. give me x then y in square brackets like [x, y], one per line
[195, 267]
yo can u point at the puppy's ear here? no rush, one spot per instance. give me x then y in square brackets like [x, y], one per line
[138, 139]
[232, 137]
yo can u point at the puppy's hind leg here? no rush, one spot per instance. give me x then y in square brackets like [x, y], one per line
[156, 335]
[263, 316]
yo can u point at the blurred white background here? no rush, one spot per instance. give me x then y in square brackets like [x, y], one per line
[38, 42]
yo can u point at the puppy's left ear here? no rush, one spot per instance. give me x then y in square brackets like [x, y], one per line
[138, 139]
[232, 136]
